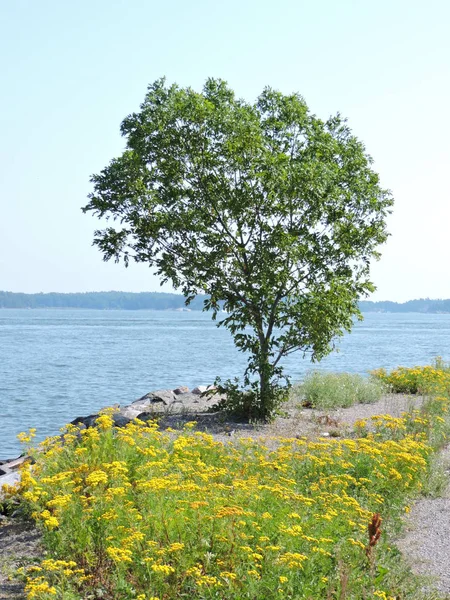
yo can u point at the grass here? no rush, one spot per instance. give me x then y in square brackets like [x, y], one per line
[332, 390]
[137, 513]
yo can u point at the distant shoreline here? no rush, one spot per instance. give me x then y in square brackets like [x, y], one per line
[175, 302]
[364, 312]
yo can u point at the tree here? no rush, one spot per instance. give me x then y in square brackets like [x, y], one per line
[266, 209]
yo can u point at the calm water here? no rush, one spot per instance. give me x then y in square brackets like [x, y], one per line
[58, 364]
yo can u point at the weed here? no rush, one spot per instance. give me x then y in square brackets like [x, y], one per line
[334, 390]
[139, 514]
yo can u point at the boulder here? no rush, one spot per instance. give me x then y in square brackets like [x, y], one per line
[119, 419]
[181, 390]
[88, 421]
[14, 463]
[9, 479]
[139, 405]
[196, 403]
[199, 389]
[9, 471]
[129, 412]
[160, 402]
[189, 398]
[164, 396]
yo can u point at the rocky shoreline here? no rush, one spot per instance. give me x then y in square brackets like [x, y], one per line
[179, 402]
[20, 540]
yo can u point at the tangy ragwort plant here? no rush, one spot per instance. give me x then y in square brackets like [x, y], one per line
[417, 380]
[269, 211]
[138, 513]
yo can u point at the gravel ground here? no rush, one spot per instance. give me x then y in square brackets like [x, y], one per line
[426, 542]
[296, 420]
[19, 545]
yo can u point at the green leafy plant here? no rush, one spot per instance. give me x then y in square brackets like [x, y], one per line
[416, 380]
[269, 211]
[142, 514]
[334, 390]
[137, 513]
[246, 404]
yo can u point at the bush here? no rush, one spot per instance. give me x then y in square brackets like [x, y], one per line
[246, 403]
[416, 380]
[333, 390]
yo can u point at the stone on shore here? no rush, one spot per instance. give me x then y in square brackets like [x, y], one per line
[9, 479]
[181, 390]
[200, 389]
[129, 412]
[9, 471]
[171, 401]
[164, 396]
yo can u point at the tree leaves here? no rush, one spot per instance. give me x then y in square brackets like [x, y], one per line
[262, 206]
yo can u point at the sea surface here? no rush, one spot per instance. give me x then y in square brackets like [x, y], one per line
[58, 364]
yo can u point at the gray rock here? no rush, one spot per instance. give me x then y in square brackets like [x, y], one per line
[9, 479]
[130, 412]
[164, 396]
[88, 421]
[178, 403]
[190, 398]
[199, 390]
[159, 402]
[181, 390]
[9, 471]
[14, 463]
[139, 405]
[120, 420]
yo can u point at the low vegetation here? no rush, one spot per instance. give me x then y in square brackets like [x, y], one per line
[332, 390]
[138, 513]
[430, 379]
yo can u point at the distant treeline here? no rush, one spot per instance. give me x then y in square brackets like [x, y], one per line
[99, 300]
[424, 305]
[165, 301]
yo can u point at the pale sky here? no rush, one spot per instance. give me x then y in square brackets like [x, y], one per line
[71, 71]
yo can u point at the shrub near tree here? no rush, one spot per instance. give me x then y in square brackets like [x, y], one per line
[263, 207]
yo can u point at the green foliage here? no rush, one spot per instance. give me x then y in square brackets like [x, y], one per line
[416, 380]
[139, 514]
[333, 390]
[247, 404]
[262, 206]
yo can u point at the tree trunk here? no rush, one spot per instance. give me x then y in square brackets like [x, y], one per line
[265, 375]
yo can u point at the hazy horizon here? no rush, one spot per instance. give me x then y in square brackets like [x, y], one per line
[424, 298]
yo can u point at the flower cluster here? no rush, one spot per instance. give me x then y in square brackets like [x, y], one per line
[152, 514]
[416, 380]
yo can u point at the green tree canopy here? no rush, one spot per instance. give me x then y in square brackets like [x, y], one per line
[262, 206]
